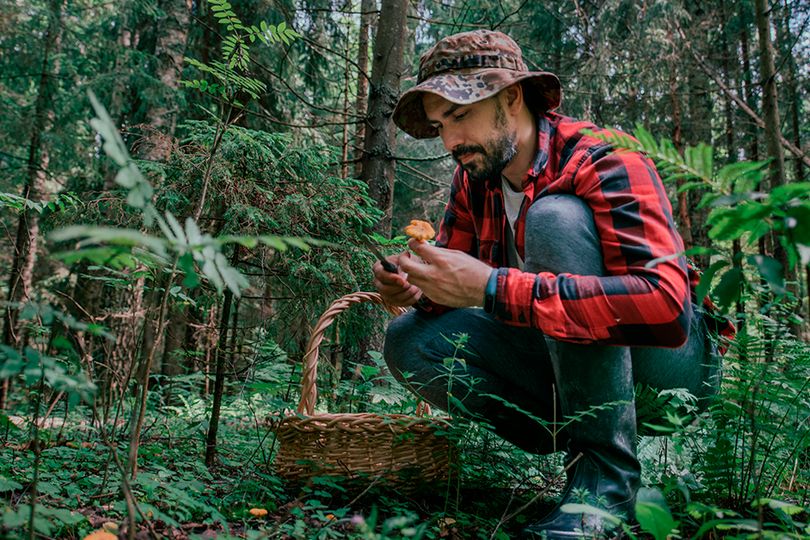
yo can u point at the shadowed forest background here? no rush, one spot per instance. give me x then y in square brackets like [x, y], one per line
[159, 288]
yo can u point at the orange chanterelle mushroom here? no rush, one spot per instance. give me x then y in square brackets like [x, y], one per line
[421, 230]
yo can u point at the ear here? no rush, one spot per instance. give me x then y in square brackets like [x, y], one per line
[513, 97]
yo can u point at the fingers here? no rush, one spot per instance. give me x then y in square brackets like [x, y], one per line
[416, 266]
[389, 279]
[407, 297]
[394, 287]
[398, 295]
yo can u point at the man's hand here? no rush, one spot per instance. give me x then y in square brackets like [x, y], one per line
[446, 276]
[395, 288]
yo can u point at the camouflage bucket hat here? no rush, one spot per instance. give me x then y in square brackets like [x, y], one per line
[468, 67]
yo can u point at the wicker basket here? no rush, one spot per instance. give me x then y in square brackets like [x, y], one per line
[406, 450]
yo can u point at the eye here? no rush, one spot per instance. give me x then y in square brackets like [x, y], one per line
[459, 116]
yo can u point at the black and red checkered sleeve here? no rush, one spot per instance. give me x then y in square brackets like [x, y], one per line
[632, 304]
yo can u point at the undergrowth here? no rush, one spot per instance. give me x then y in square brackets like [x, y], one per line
[738, 470]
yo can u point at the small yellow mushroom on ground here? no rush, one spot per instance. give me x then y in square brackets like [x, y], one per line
[421, 230]
[101, 534]
[258, 512]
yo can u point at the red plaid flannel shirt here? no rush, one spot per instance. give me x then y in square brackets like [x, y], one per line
[632, 304]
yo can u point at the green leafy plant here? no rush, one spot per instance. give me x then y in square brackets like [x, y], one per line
[230, 74]
[738, 211]
[186, 245]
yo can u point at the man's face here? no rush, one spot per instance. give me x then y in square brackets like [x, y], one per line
[479, 136]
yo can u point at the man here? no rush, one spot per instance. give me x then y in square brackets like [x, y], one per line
[554, 234]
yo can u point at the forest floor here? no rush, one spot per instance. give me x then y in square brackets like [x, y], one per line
[174, 495]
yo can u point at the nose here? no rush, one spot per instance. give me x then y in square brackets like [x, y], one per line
[451, 138]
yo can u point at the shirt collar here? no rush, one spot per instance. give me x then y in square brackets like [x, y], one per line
[543, 142]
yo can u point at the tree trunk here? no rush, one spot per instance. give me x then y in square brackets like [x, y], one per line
[684, 219]
[794, 98]
[344, 170]
[170, 45]
[233, 348]
[731, 149]
[785, 39]
[770, 105]
[219, 380]
[219, 377]
[367, 10]
[770, 108]
[748, 92]
[24, 257]
[698, 130]
[172, 361]
[27, 235]
[170, 48]
[378, 161]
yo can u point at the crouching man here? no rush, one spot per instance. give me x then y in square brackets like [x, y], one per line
[550, 231]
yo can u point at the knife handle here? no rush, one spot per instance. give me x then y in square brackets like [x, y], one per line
[389, 266]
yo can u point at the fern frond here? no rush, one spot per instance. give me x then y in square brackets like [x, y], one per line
[694, 165]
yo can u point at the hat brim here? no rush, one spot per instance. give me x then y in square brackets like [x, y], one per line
[541, 89]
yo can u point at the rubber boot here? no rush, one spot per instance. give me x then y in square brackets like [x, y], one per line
[591, 376]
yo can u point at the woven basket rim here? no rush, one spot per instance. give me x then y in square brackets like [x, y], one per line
[384, 419]
[397, 441]
[309, 375]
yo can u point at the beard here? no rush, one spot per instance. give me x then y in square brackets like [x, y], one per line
[493, 158]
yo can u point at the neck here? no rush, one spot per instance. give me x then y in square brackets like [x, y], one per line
[516, 170]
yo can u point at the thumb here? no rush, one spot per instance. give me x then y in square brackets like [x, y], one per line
[422, 248]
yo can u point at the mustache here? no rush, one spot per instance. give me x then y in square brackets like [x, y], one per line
[461, 150]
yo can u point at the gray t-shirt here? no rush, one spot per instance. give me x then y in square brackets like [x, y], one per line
[512, 201]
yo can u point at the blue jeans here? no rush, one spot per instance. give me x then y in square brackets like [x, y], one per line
[502, 372]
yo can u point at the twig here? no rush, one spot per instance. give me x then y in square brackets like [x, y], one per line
[50, 409]
[132, 505]
[130, 498]
[141, 412]
[509, 15]
[423, 176]
[534, 499]
[368, 487]
[427, 158]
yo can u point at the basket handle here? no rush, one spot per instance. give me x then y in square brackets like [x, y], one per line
[309, 389]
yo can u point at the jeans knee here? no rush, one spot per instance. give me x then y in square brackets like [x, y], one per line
[561, 237]
[558, 211]
[397, 338]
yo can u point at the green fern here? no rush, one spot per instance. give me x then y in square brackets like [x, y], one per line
[761, 431]
[738, 211]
